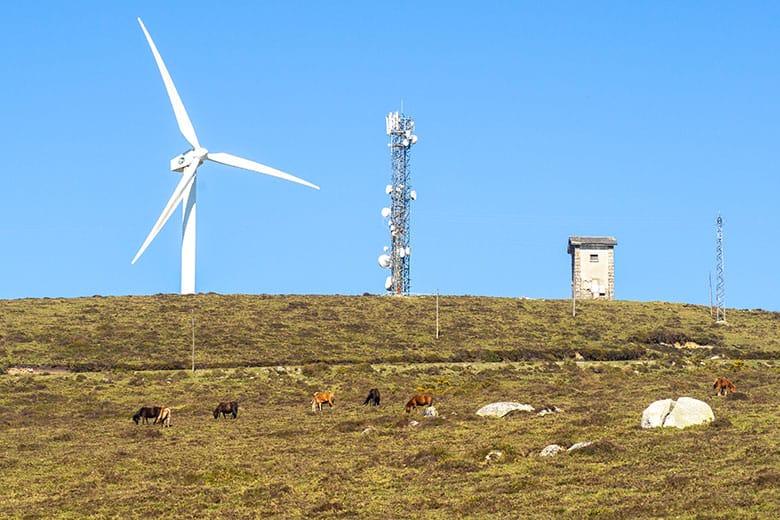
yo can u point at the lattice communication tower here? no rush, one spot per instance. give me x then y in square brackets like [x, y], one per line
[720, 285]
[396, 257]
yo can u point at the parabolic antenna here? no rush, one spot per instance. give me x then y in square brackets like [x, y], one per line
[402, 252]
[385, 248]
[388, 282]
[408, 250]
[413, 195]
[389, 189]
[384, 261]
[385, 212]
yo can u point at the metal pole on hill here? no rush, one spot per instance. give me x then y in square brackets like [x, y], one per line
[193, 339]
[437, 314]
[573, 301]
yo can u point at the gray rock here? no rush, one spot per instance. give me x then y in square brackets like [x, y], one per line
[552, 450]
[494, 456]
[579, 446]
[430, 411]
[548, 410]
[500, 409]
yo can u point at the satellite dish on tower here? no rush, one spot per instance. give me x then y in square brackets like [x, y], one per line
[413, 195]
[389, 189]
[384, 261]
[388, 282]
[385, 212]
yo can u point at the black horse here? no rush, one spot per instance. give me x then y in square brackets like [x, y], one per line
[225, 409]
[373, 397]
[146, 413]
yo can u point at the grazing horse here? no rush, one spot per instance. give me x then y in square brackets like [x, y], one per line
[321, 398]
[418, 400]
[226, 408]
[146, 413]
[164, 418]
[723, 386]
[373, 397]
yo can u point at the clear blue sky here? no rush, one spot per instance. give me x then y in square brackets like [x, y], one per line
[536, 120]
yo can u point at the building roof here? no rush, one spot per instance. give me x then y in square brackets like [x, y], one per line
[581, 241]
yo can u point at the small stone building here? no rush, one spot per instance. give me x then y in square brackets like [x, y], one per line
[593, 267]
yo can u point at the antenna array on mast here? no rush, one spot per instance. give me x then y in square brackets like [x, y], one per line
[720, 284]
[400, 128]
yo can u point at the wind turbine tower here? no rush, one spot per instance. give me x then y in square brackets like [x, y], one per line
[396, 257]
[187, 165]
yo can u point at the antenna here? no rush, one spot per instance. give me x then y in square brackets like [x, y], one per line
[400, 128]
[720, 280]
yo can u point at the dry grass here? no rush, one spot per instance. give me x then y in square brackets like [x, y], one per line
[70, 449]
[154, 332]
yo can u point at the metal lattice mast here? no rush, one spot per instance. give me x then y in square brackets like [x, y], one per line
[720, 284]
[400, 128]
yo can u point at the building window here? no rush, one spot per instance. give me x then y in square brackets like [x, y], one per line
[594, 259]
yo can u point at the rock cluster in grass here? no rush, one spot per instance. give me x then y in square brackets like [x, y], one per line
[548, 409]
[682, 413]
[555, 449]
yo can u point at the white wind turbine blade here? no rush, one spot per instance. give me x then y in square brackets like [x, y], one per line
[246, 164]
[185, 125]
[178, 192]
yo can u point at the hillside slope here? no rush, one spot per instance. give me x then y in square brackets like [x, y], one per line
[154, 332]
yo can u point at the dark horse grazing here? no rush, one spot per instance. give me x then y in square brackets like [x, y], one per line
[225, 409]
[146, 413]
[373, 397]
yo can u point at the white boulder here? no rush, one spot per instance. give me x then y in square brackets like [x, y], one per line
[430, 411]
[502, 408]
[682, 413]
[655, 414]
[552, 450]
[689, 412]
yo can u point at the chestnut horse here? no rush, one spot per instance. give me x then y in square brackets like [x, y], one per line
[226, 408]
[164, 418]
[321, 398]
[418, 400]
[723, 386]
[146, 413]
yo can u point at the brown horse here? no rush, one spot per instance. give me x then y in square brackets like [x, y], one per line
[226, 408]
[164, 417]
[146, 413]
[321, 398]
[418, 400]
[723, 386]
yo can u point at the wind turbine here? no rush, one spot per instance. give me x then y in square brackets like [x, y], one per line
[187, 164]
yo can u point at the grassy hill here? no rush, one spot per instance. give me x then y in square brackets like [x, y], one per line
[154, 332]
[70, 450]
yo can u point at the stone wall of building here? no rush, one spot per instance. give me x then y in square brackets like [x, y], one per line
[585, 272]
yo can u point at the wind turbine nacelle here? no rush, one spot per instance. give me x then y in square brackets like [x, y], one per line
[180, 162]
